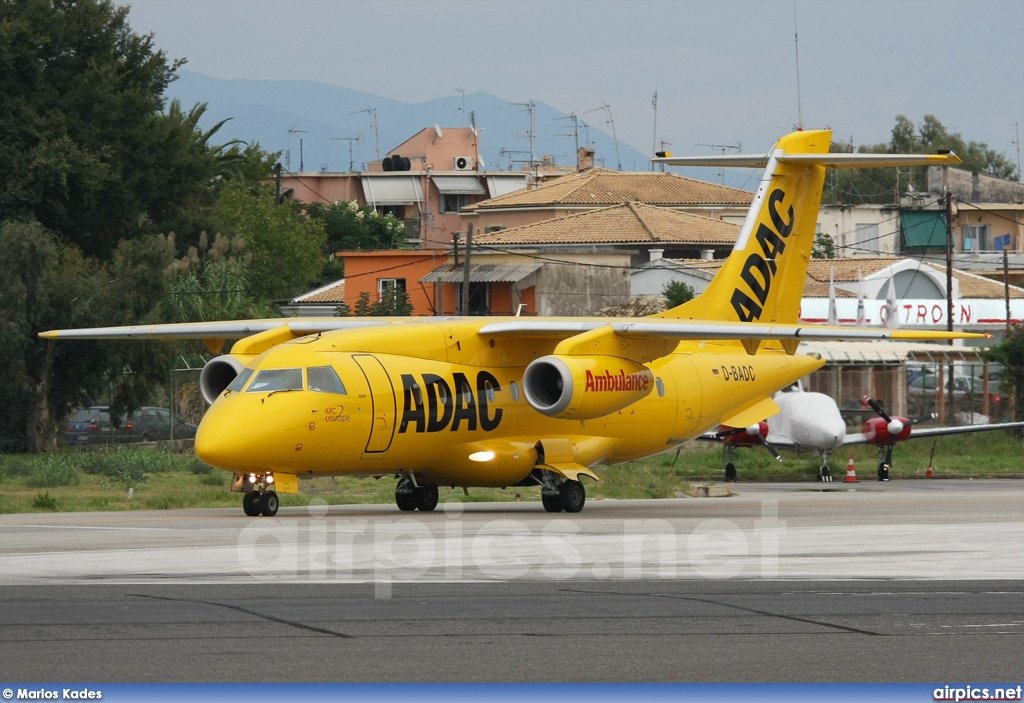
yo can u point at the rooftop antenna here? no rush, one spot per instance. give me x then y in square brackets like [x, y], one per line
[608, 120]
[373, 121]
[796, 44]
[1016, 132]
[531, 134]
[351, 163]
[288, 154]
[654, 135]
[575, 134]
[663, 145]
[462, 110]
[723, 147]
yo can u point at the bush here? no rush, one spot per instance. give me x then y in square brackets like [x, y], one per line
[44, 501]
[53, 470]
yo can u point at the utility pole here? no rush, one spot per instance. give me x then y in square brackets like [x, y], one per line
[465, 270]
[654, 137]
[277, 184]
[949, 275]
[1006, 287]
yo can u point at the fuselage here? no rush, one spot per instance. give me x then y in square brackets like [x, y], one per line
[808, 420]
[440, 401]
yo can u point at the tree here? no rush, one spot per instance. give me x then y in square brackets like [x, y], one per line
[82, 123]
[824, 247]
[285, 245]
[1010, 353]
[883, 185]
[354, 227]
[677, 292]
[50, 284]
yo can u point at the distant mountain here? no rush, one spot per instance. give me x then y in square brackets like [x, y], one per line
[265, 111]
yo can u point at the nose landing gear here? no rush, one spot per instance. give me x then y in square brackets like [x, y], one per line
[259, 498]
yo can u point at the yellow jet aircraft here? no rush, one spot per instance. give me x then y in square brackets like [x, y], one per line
[516, 401]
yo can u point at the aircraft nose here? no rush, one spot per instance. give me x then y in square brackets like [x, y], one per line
[219, 445]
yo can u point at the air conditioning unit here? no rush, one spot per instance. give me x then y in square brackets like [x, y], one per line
[462, 163]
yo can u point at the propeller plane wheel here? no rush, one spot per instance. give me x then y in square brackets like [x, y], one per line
[405, 496]
[883, 472]
[730, 471]
[552, 504]
[825, 474]
[573, 496]
[251, 503]
[268, 504]
[425, 497]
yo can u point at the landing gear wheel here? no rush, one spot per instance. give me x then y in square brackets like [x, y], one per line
[730, 471]
[405, 499]
[425, 497]
[573, 496]
[251, 503]
[825, 474]
[269, 504]
[552, 504]
[883, 472]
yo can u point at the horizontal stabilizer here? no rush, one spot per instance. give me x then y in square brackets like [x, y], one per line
[830, 160]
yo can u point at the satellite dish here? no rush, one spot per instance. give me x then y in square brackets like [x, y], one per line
[437, 128]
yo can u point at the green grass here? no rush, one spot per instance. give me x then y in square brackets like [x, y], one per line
[74, 481]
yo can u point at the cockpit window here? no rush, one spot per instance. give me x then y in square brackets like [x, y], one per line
[324, 379]
[277, 380]
[240, 380]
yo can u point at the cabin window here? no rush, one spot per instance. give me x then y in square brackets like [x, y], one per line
[324, 379]
[240, 380]
[277, 380]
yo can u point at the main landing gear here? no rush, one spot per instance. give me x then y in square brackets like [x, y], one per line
[569, 496]
[260, 503]
[409, 496]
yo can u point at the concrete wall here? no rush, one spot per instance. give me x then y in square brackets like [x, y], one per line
[974, 187]
[841, 221]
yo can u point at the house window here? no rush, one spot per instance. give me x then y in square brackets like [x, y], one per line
[389, 286]
[479, 299]
[453, 202]
[865, 239]
[396, 211]
[977, 237]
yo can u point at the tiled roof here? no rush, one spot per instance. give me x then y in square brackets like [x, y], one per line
[629, 223]
[331, 293]
[846, 271]
[599, 186]
[639, 306]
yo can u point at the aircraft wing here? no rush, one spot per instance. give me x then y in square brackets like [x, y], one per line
[861, 438]
[668, 328]
[231, 329]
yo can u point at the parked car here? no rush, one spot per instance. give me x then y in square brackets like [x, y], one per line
[92, 425]
[968, 393]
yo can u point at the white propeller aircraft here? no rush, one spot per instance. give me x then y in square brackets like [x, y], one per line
[811, 422]
[516, 401]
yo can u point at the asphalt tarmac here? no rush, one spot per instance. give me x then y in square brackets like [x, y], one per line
[905, 581]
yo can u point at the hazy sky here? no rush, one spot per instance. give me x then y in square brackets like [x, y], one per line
[725, 70]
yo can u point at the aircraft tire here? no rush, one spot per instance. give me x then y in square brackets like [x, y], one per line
[730, 471]
[573, 496]
[406, 502]
[250, 503]
[552, 504]
[269, 504]
[425, 497]
[883, 472]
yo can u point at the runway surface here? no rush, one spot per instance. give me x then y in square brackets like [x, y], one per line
[909, 581]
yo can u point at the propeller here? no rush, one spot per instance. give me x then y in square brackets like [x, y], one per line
[754, 431]
[893, 425]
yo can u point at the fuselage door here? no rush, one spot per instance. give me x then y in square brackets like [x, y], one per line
[382, 399]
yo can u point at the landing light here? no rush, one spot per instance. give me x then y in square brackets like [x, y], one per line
[270, 479]
[481, 456]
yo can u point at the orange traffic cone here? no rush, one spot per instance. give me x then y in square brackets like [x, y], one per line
[851, 471]
[930, 471]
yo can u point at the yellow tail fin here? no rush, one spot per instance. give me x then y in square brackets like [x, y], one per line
[763, 278]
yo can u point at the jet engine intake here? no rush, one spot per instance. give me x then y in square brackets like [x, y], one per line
[584, 387]
[217, 374]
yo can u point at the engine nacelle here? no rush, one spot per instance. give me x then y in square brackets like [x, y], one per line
[879, 431]
[217, 375]
[584, 387]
